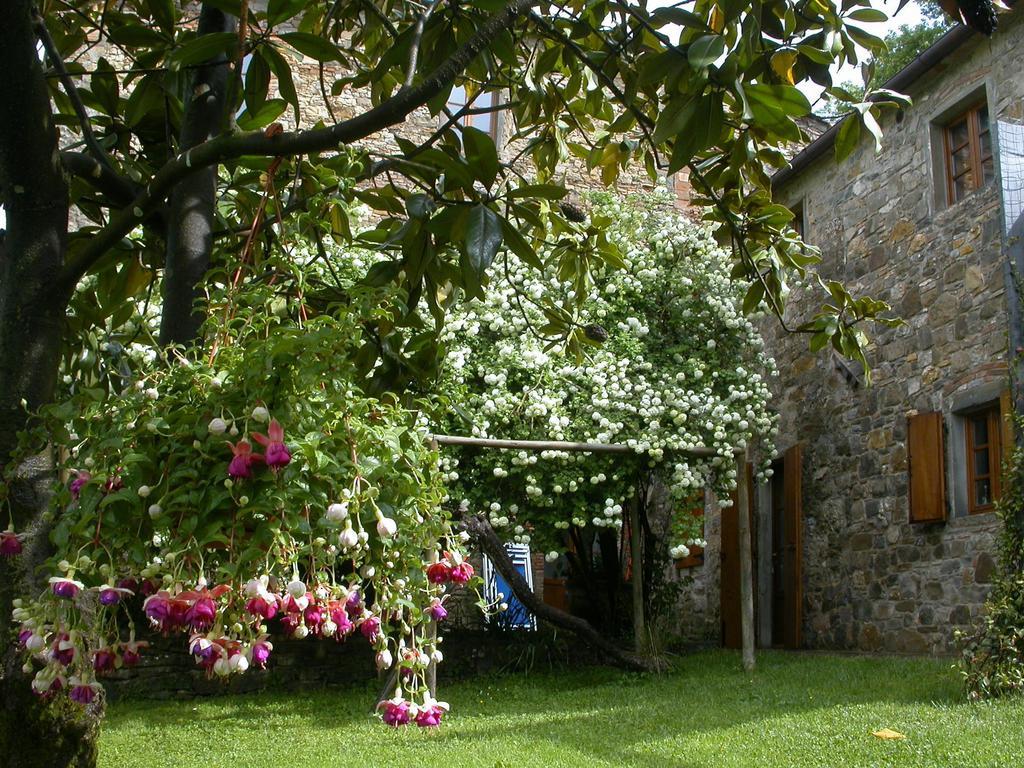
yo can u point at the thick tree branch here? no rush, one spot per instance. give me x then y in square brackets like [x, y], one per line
[483, 534]
[101, 177]
[228, 147]
[97, 151]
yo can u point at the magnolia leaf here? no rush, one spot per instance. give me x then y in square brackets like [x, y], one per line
[705, 51]
[782, 64]
[314, 46]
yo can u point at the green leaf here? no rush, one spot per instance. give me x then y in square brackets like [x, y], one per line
[868, 14]
[779, 98]
[700, 126]
[252, 120]
[283, 72]
[481, 154]
[678, 16]
[282, 10]
[314, 46]
[483, 238]
[202, 49]
[705, 51]
[519, 245]
[848, 137]
[257, 83]
[545, 191]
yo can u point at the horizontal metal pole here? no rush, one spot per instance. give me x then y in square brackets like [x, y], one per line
[554, 445]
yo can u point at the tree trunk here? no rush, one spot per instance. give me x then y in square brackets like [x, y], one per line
[746, 567]
[33, 302]
[637, 574]
[191, 217]
[485, 537]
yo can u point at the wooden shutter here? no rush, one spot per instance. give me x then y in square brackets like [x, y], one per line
[1006, 420]
[926, 468]
[792, 491]
[696, 556]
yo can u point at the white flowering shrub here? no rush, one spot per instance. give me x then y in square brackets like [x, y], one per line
[681, 367]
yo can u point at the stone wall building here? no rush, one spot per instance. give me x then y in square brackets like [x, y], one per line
[880, 532]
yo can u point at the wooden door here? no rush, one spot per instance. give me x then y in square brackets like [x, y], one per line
[792, 551]
[729, 592]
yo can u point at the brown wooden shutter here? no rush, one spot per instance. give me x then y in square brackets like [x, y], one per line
[792, 491]
[1006, 420]
[926, 468]
[729, 593]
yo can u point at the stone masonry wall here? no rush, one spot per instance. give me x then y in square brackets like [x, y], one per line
[872, 580]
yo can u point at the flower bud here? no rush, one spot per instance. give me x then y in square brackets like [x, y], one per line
[144, 491]
[217, 426]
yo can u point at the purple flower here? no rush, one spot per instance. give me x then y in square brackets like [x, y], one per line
[78, 483]
[240, 467]
[104, 660]
[113, 595]
[130, 652]
[396, 712]
[83, 694]
[10, 544]
[370, 628]
[429, 717]
[157, 608]
[202, 613]
[63, 587]
[259, 606]
[63, 651]
[461, 573]
[260, 653]
[314, 616]
[354, 605]
[276, 453]
[437, 611]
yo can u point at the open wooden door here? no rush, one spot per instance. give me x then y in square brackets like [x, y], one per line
[729, 592]
[792, 553]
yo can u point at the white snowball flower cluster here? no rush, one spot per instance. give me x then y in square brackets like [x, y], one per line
[681, 368]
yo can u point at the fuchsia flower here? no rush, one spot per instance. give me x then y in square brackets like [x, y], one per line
[130, 652]
[104, 660]
[10, 543]
[78, 483]
[343, 625]
[114, 482]
[241, 464]
[201, 614]
[261, 607]
[205, 651]
[461, 573]
[289, 623]
[63, 650]
[429, 714]
[439, 573]
[370, 627]
[259, 652]
[276, 453]
[113, 595]
[65, 587]
[354, 605]
[396, 711]
[437, 611]
[83, 693]
[315, 617]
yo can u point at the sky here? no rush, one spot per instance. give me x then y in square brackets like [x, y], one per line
[910, 15]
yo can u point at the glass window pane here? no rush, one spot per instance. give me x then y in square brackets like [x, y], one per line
[958, 134]
[988, 171]
[982, 493]
[980, 426]
[981, 466]
[458, 98]
[986, 144]
[483, 122]
[983, 117]
[961, 161]
[961, 187]
[484, 99]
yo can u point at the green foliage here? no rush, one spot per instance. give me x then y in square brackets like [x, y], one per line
[158, 497]
[992, 657]
[711, 88]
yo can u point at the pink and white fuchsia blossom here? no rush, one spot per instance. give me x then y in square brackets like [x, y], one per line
[275, 452]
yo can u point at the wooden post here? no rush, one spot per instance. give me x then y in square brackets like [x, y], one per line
[637, 573]
[432, 624]
[746, 561]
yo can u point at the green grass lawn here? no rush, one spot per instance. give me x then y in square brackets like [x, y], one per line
[796, 710]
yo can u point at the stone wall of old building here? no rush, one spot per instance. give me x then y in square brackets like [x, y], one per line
[872, 580]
